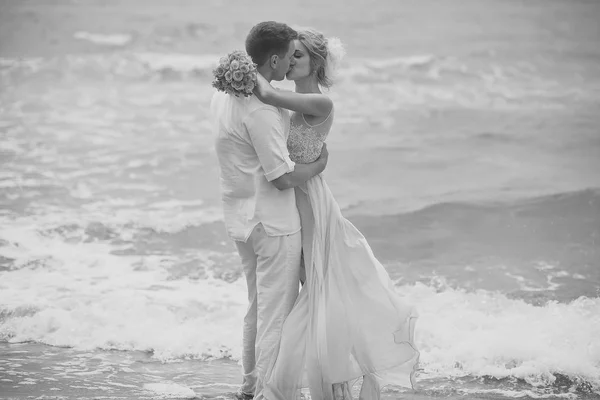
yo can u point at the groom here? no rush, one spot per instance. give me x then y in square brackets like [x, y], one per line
[257, 181]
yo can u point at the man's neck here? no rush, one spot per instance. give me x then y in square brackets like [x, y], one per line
[265, 71]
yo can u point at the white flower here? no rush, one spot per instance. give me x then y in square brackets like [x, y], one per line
[235, 74]
[224, 62]
[237, 85]
[238, 75]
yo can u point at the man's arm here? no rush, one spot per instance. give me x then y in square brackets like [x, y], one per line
[302, 172]
[265, 129]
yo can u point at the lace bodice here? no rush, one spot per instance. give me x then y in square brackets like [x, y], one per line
[305, 141]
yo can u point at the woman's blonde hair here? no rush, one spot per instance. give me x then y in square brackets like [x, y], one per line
[316, 45]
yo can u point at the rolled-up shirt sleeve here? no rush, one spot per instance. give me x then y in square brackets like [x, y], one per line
[266, 130]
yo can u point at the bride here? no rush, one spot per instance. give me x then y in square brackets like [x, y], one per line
[348, 322]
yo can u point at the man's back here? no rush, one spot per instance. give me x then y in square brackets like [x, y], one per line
[251, 147]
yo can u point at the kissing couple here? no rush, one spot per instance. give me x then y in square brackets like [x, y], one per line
[347, 323]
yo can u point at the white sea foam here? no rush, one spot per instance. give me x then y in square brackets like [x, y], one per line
[81, 295]
[157, 216]
[170, 390]
[485, 333]
[179, 62]
[122, 217]
[115, 39]
[530, 394]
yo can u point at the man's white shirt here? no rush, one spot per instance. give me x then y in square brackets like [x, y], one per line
[251, 146]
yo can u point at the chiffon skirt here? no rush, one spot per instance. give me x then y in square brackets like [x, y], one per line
[348, 322]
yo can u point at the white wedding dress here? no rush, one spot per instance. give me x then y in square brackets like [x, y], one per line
[348, 322]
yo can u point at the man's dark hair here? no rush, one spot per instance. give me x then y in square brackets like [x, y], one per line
[268, 38]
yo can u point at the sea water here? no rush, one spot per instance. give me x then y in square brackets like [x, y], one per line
[466, 148]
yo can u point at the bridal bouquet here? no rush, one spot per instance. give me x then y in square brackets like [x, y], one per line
[236, 74]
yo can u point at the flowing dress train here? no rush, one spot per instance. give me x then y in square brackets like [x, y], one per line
[348, 321]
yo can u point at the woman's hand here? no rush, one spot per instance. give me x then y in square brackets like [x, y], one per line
[263, 89]
[324, 157]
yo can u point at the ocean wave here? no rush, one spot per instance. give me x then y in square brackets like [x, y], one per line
[149, 64]
[386, 69]
[414, 79]
[110, 66]
[43, 239]
[556, 386]
[115, 39]
[65, 291]
[171, 65]
[110, 303]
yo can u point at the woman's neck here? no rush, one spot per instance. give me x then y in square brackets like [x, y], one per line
[307, 85]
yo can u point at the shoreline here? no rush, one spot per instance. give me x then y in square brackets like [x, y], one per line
[47, 372]
[67, 372]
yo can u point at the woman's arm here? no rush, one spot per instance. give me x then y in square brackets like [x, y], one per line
[315, 104]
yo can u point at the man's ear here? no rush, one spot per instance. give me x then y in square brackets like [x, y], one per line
[273, 61]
